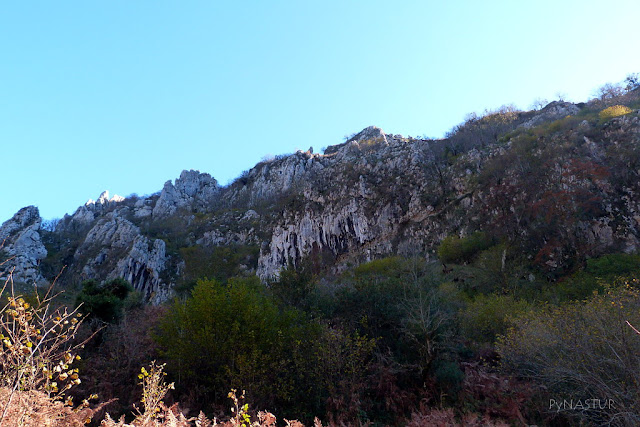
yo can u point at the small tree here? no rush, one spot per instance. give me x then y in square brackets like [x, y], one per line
[461, 249]
[539, 103]
[632, 82]
[37, 348]
[609, 92]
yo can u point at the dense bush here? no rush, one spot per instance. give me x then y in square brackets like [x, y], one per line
[235, 336]
[461, 249]
[107, 301]
[398, 302]
[583, 350]
[293, 287]
[219, 263]
[374, 301]
[613, 265]
[597, 273]
[480, 130]
[488, 316]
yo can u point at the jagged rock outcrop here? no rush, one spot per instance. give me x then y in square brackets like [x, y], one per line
[273, 180]
[371, 133]
[369, 217]
[143, 208]
[86, 214]
[104, 200]
[114, 247]
[552, 111]
[143, 266]
[21, 247]
[193, 190]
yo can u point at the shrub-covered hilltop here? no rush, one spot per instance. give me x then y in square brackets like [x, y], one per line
[487, 278]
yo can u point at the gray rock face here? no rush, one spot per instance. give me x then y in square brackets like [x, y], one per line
[352, 222]
[142, 267]
[270, 180]
[337, 232]
[553, 111]
[114, 247]
[21, 243]
[143, 208]
[192, 190]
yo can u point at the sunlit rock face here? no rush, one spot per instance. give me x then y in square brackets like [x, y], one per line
[21, 247]
[193, 190]
[87, 213]
[358, 201]
[142, 267]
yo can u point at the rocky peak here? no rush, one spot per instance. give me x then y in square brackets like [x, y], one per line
[191, 182]
[23, 218]
[192, 190]
[86, 214]
[104, 199]
[371, 133]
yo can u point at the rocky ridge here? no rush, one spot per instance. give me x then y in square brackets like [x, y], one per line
[373, 195]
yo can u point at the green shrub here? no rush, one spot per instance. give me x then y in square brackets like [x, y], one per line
[219, 263]
[454, 249]
[107, 301]
[397, 302]
[593, 277]
[613, 265]
[384, 267]
[293, 287]
[488, 316]
[448, 375]
[393, 271]
[371, 304]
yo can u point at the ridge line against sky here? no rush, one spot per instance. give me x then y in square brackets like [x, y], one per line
[122, 96]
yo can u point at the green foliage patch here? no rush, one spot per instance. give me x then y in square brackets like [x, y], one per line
[237, 336]
[219, 263]
[489, 316]
[454, 249]
[107, 301]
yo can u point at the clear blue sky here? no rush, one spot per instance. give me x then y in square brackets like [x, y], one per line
[123, 95]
